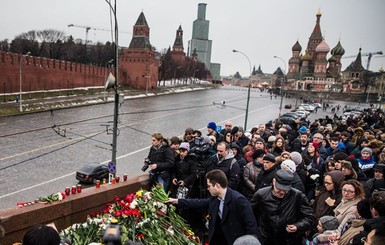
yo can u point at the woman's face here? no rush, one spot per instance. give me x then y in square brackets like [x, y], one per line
[337, 165]
[328, 182]
[183, 153]
[228, 137]
[310, 149]
[348, 192]
[155, 142]
[279, 143]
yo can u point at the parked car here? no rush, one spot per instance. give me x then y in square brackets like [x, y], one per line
[92, 172]
[290, 114]
[302, 113]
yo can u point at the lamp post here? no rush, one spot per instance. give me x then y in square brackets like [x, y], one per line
[116, 104]
[249, 87]
[21, 80]
[282, 83]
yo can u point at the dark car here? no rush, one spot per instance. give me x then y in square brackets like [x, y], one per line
[92, 172]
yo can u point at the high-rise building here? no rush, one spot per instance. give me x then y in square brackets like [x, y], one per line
[200, 44]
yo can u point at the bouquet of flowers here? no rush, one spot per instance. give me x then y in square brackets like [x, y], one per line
[142, 216]
[53, 197]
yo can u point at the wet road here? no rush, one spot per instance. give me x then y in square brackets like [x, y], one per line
[40, 152]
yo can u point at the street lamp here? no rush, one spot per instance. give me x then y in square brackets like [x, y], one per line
[116, 104]
[248, 90]
[21, 80]
[282, 83]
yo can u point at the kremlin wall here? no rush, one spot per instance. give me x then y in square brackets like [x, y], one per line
[38, 73]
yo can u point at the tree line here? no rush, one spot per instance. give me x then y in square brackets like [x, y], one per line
[54, 44]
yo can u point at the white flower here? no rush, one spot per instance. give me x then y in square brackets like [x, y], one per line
[314, 176]
[59, 196]
[133, 204]
[147, 196]
[170, 230]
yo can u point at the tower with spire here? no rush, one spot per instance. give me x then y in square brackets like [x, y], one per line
[139, 64]
[178, 53]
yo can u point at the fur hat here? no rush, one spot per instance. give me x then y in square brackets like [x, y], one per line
[212, 125]
[367, 149]
[329, 222]
[212, 137]
[296, 157]
[289, 164]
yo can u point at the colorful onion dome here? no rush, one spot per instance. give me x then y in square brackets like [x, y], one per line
[306, 57]
[296, 47]
[338, 49]
[332, 59]
[322, 47]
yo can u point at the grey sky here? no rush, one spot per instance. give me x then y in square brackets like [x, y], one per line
[258, 28]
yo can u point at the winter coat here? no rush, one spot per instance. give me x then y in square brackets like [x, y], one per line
[345, 211]
[366, 165]
[250, 175]
[164, 158]
[320, 207]
[186, 170]
[274, 214]
[265, 177]
[228, 165]
[237, 219]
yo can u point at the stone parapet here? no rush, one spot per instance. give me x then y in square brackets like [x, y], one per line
[14, 222]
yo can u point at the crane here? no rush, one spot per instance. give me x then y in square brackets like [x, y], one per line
[93, 28]
[370, 54]
[85, 27]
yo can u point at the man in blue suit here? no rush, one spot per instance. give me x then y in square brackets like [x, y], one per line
[231, 215]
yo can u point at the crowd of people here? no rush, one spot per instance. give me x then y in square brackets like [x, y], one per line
[301, 182]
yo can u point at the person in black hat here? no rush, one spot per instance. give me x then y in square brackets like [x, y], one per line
[282, 212]
[377, 183]
[267, 173]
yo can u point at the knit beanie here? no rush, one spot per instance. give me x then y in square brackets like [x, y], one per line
[329, 222]
[289, 164]
[212, 125]
[315, 144]
[367, 149]
[296, 157]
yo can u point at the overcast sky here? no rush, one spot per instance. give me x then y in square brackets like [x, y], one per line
[258, 28]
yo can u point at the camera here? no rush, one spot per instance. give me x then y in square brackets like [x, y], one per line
[201, 151]
[112, 235]
[147, 163]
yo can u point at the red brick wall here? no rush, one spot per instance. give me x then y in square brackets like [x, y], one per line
[39, 73]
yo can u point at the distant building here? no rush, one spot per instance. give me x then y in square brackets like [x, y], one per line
[177, 53]
[139, 63]
[200, 45]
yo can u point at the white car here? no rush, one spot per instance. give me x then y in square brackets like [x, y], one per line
[302, 113]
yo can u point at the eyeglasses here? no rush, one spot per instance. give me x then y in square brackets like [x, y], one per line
[348, 191]
[227, 125]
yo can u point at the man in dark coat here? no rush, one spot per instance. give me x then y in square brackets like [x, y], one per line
[230, 213]
[265, 177]
[225, 161]
[161, 161]
[283, 213]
